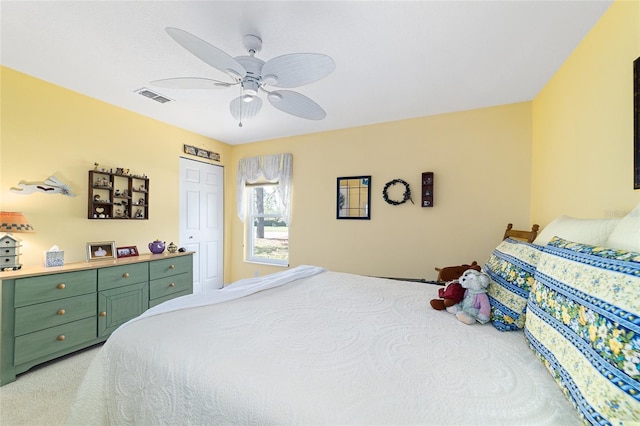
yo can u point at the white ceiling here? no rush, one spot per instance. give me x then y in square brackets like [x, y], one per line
[394, 59]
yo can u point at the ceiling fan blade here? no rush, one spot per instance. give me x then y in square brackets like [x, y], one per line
[241, 110]
[297, 104]
[191, 83]
[297, 69]
[208, 53]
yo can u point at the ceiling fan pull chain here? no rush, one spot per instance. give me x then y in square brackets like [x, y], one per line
[240, 118]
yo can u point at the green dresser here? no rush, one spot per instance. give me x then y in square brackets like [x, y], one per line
[51, 312]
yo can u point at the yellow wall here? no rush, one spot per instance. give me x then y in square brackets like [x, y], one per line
[47, 130]
[567, 152]
[583, 125]
[478, 190]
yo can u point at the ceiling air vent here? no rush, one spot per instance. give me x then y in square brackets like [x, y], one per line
[153, 95]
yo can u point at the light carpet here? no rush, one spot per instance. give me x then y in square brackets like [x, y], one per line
[44, 394]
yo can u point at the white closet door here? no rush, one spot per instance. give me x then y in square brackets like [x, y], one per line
[202, 221]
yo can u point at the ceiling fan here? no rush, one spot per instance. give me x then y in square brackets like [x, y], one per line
[253, 76]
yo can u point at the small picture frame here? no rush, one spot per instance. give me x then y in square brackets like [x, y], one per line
[102, 250]
[127, 251]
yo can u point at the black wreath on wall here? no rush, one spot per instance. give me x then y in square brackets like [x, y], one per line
[405, 197]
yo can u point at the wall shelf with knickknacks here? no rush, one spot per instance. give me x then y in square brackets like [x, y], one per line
[118, 195]
[427, 189]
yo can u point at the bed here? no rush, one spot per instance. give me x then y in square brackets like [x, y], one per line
[312, 346]
[316, 347]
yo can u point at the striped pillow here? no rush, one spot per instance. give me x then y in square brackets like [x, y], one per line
[583, 321]
[511, 267]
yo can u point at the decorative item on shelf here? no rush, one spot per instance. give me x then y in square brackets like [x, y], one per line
[103, 250]
[156, 247]
[11, 222]
[53, 257]
[405, 197]
[427, 189]
[127, 251]
[172, 248]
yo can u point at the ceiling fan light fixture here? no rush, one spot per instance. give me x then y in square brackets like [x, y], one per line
[250, 87]
[247, 98]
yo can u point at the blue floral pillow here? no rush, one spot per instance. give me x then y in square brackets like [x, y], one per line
[583, 321]
[511, 267]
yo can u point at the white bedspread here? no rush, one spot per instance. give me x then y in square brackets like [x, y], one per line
[330, 348]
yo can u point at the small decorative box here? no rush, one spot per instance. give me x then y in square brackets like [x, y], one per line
[53, 258]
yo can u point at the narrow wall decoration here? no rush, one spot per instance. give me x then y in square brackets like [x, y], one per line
[203, 153]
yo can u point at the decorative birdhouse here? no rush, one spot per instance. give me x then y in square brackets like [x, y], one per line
[10, 252]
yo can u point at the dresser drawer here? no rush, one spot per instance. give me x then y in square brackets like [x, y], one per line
[172, 266]
[42, 343]
[169, 285]
[51, 287]
[50, 314]
[118, 276]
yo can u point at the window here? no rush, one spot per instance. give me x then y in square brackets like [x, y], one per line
[264, 204]
[267, 231]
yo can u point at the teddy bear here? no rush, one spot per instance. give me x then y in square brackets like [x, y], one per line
[453, 292]
[475, 304]
[451, 273]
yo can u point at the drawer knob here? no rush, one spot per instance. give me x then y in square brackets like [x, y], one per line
[125, 275]
[172, 267]
[172, 285]
[62, 312]
[61, 286]
[103, 314]
[61, 337]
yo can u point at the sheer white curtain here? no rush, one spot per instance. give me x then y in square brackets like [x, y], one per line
[272, 168]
